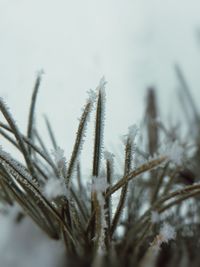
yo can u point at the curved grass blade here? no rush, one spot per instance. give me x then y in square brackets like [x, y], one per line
[79, 137]
[51, 133]
[143, 168]
[45, 156]
[19, 139]
[31, 117]
[24, 178]
[127, 167]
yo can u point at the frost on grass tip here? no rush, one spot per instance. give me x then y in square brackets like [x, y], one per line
[59, 158]
[102, 84]
[108, 156]
[102, 97]
[91, 96]
[133, 131]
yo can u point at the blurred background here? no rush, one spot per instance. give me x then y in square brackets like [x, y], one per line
[134, 43]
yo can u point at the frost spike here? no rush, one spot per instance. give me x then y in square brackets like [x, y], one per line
[100, 113]
[108, 205]
[99, 123]
[79, 139]
[127, 167]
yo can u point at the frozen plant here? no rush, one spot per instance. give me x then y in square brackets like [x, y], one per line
[87, 220]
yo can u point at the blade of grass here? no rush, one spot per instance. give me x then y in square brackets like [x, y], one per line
[186, 89]
[19, 139]
[24, 178]
[127, 168]
[31, 116]
[143, 168]
[51, 133]
[99, 124]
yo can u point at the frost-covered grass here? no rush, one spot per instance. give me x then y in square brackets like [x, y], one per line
[145, 215]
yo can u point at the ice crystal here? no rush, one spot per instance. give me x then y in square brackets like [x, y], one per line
[155, 217]
[99, 184]
[13, 166]
[54, 188]
[102, 100]
[133, 131]
[108, 156]
[102, 84]
[59, 158]
[167, 232]
[174, 151]
[91, 96]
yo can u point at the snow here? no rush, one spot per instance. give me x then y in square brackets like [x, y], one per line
[54, 188]
[99, 184]
[155, 217]
[25, 245]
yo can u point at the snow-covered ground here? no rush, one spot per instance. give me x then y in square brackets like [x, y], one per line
[134, 43]
[24, 244]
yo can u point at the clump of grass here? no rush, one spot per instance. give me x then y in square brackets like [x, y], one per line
[151, 217]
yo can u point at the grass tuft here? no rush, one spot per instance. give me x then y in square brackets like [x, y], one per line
[132, 217]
